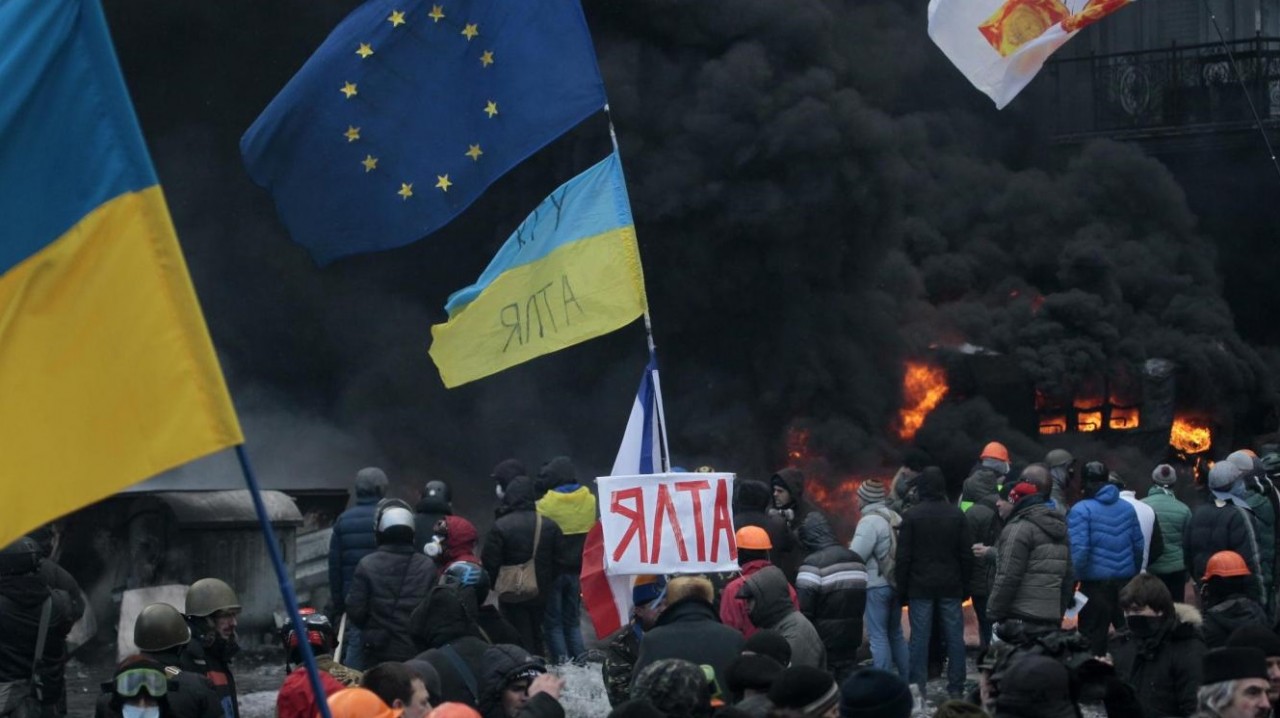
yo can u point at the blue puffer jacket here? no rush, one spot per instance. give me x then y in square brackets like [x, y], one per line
[1106, 539]
[352, 539]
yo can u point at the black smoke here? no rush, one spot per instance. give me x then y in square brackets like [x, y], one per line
[818, 196]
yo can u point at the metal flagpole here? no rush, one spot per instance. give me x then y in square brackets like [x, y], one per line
[286, 585]
[648, 325]
[1235, 69]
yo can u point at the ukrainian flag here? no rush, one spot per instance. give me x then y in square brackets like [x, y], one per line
[570, 272]
[107, 373]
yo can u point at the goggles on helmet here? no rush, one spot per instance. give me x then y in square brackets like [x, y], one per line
[130, 682]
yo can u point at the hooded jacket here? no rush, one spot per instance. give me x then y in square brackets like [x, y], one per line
[1215, 526]
[733, 610]
[510, 540]
[935, 549]
[502, 664]
[1265, 522]
[571, 505]
[388, 584]
[1172, 517]
[793, 514]
[1223, 618]
[459, 542]
[442, 626]
[1164, 669]
[751, 504]
[771, 607]
[430, 509]
[979, 494]
[832, 587]
[1032, 575]
[1106, 539]
[688, 629]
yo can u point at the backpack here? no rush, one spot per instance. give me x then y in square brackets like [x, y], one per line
[887, 566]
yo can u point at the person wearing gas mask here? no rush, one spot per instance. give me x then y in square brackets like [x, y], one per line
[161, 634]
[140, 688]
[1160, 651]
[212, 611]
[453, 546]
[388, 584]
[435, 504]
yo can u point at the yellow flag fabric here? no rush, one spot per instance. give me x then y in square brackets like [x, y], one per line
[107, 372]
[571, 272]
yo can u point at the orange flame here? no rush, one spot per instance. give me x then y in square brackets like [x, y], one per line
[923, 388]
[1190, 436]
[1123, 418]
[1089, 421]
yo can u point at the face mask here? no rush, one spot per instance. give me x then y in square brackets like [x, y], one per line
[140, 712]
[1144, 626]
[435, 547]
[498, 490]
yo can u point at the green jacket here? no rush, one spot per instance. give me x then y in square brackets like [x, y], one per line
[1266, 535]
[1172, 516]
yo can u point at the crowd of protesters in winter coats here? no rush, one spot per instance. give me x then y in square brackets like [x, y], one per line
[1170, 608]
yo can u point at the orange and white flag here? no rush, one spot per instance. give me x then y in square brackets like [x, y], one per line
[1000, 45]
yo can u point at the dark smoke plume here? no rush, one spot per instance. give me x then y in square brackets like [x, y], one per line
[818, 194]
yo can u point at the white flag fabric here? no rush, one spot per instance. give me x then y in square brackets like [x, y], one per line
[642, 444]
[1000, 45]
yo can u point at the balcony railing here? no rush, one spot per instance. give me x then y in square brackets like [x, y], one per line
[1175, 90]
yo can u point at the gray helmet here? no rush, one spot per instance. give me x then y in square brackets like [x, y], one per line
[371, 482]
[160, 627]
[1058, 457]
[438, 490]
[20, 557]
[210, 595]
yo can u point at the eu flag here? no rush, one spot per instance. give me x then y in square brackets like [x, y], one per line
[410, 109]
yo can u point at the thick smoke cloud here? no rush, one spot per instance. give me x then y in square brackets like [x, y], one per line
[819, 196]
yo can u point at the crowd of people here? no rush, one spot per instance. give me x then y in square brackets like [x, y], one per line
[1083, 593]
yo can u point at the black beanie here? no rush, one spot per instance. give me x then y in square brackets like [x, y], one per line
[808, 689]
[751, 670]
[1257, 636]
[768, 642]
[873, 693]
[1233, 664]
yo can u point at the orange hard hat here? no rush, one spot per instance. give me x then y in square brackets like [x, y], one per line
[360, 703]
[753, 537]
[454, 710]
[1225, 564]
[995, 450]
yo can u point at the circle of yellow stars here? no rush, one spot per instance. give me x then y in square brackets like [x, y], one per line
[349, 89]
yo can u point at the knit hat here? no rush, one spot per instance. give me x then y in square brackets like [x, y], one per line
[751, 670]
[1164, 475]
[1036, 685]
[1223, 475]
[1021, 490]
[771, 643]
[1233, 664]
[674, 686]
[1258, 636]
[873, 693]
[870, 492]
[959, 709]
[808, 689]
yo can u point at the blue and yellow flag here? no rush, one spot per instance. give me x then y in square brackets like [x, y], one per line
[411, 108]
[569, 273]
[107, 373]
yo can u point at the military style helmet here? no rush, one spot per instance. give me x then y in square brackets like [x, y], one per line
[20, 557]
[210, 595]
[160, 627]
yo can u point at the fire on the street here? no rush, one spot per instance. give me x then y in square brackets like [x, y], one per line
[1190, 436]
[924, 386]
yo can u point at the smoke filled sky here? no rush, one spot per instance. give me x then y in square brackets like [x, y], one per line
[818, 196]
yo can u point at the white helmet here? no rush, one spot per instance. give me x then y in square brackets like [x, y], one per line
[394, 516]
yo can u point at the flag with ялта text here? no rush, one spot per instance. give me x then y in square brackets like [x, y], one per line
[1000, 45]
[107, 372]
[410, 109]
[570, 272]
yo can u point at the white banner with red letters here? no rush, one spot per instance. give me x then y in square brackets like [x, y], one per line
[667, 523]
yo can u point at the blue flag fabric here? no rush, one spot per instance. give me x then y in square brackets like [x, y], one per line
[410, 110]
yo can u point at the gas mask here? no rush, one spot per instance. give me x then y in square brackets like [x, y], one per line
[434, 547]
[498, 490]
[140, 712]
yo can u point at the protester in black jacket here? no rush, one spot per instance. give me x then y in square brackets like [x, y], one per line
[751, 503]
[388, 584]
[510, 543]
[791, 505]
[22, 597]
[435, 504]
[934, 565]
[688, 628]
[443, 627]
[1160, 652]
[516, 684]
[832, 588]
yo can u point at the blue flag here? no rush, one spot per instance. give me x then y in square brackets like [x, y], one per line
[410, 110]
